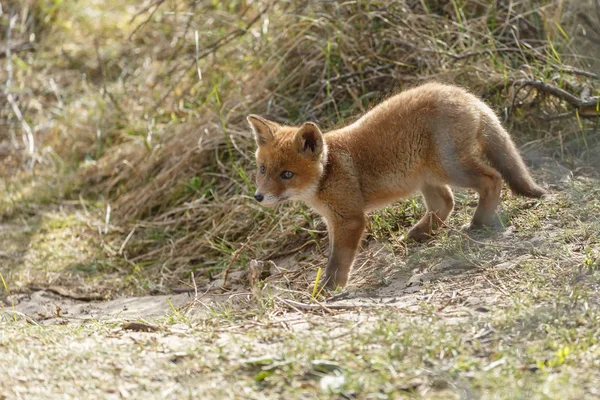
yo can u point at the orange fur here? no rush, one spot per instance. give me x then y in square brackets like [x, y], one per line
[427, 138]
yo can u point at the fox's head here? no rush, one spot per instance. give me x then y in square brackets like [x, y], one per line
[290, 160]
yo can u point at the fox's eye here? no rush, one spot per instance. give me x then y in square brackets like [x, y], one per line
[287, 175]
[263, 169]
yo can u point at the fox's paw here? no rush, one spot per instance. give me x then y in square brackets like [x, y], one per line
[476, 227]
[418, 234]
[472, 227]
[334, 282]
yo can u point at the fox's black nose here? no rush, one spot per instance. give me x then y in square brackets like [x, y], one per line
[259, 197]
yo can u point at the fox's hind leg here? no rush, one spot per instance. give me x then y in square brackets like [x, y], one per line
[488, 184]
[440, 202]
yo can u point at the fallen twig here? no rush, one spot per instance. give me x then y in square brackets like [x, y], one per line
[585, 106]
[323, 306]
[16, 48]
[576, 71]
[68, 294]
[139, 327]
[15, 313]
[557, 92]
[546, 117]
[235, 256]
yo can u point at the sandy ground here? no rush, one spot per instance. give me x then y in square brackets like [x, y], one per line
[48, 307]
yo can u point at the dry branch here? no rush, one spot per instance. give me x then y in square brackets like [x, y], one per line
[576, 71]
[557, 92]
[16, 48]
[585, 105]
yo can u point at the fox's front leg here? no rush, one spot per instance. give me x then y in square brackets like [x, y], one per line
[344, 238]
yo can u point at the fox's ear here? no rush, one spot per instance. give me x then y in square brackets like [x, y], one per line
[309, 140]
[263, 129]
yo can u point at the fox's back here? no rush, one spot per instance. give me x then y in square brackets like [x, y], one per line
[393, 143]
[429, 139]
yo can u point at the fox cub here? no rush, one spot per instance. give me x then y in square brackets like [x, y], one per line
[427, 138]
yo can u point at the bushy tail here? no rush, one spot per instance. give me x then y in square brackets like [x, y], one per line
[504, 156]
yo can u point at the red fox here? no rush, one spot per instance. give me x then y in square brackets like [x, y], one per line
[427, 138]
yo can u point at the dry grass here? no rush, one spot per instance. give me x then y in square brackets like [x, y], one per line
[141, 171]
[150, 122]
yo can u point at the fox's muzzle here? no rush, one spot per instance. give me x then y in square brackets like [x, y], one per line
[259, 197]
